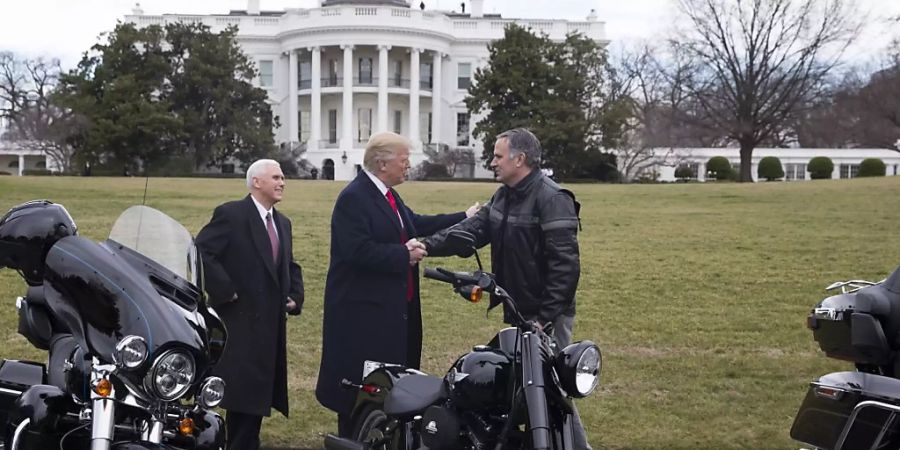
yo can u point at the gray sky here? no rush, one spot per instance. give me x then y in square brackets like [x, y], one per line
[66, 28]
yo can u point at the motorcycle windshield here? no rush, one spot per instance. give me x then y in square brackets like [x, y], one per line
[158, 237]
[136, 283]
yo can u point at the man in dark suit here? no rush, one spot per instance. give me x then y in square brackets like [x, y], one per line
[252, 280]
[372, 309]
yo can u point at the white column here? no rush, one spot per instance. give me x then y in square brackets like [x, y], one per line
[414, 98]
[347, 109]
[21, 164]
[436, 98]
[293, 126]
[315, 101]
[382, 87]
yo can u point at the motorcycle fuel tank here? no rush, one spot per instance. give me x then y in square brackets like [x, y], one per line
[481, 380]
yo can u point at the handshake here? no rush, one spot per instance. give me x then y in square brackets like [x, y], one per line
[416, 250]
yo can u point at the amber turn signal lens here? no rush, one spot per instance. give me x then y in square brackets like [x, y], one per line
[103, 388]
[186, 426]
[475, 295]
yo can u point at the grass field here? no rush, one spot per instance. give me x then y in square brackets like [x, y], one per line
[697, 294]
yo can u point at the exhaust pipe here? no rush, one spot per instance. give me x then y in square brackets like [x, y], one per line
[333, 442]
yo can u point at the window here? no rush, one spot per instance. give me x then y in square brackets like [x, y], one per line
[265, 73]
[463, 75]
[462, 129]
[849, 170]
[794, 172]
[397, 73]
[398, 121]
[364, 127]
[365, 71]
[426, 80]
[332, 79]
[304, 81]
[303, 121]
[425, 127]
[332, 126]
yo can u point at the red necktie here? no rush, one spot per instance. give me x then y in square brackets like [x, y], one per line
[273, 237]
[403, 239]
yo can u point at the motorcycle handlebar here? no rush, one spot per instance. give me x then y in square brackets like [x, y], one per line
[437, 274]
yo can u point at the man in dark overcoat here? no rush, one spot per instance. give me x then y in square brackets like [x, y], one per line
[252, 280]
[372, 309]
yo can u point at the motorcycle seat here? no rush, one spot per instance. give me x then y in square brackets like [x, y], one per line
[413, 393]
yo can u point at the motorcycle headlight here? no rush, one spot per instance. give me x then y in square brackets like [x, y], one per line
[171, 375]
[211, 393]
[130, 352]
[578, 366]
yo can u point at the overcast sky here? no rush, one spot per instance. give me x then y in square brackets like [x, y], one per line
[66, 28]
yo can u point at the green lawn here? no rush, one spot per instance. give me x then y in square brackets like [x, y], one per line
[697, 294]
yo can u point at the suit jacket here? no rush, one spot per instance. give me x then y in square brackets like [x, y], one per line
[367, 315]
[237, 259]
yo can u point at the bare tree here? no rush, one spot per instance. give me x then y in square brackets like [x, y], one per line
[760, 61]
[35, 122]
[650, 83]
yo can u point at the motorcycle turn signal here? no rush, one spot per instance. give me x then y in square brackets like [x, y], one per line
[470, 292]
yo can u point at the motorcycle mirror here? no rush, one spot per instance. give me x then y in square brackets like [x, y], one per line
[464, 242]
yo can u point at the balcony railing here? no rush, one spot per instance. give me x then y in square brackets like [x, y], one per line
[398, 82]
[425, 84]
[365, 81]
[304, 84]
[327, 143]
[332, 82]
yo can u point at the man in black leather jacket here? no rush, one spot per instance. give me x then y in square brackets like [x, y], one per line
[531, 224]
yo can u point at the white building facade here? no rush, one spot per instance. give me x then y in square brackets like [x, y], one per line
[340, 72]
[661, 166]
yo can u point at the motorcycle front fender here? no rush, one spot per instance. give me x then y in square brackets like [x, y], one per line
[209, 430]
[138, 446]
[43, 405]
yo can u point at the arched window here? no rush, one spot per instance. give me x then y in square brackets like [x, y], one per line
[13, 165]
[328, 169]
[41, 165]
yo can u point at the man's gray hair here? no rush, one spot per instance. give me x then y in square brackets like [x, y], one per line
[257, 167]
[521, 140]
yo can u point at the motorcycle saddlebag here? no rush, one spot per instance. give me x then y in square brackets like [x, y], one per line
[831, 400]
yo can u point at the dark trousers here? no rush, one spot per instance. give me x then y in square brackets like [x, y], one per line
[243, 430]
[345, 426]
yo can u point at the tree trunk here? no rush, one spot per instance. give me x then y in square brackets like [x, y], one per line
[746, 162]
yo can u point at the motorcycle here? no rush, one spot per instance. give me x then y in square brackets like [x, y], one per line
[855, 409]
[520, 379]
[130, 339]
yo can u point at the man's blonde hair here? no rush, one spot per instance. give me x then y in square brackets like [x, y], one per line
[383, 146]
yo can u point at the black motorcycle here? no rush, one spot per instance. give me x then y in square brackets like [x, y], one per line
[858, 409]
[130, 338]
[514, 393]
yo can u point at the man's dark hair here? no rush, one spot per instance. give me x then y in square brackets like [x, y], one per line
[521, 140]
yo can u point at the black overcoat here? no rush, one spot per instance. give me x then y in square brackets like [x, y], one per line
[237, 259]
[367, 316]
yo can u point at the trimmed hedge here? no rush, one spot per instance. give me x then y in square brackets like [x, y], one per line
[871, 167]
[720, 166]
[684, 172]
[820, 168]
[770, 168]
[37, 172]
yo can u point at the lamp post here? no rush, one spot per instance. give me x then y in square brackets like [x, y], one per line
[344, 157]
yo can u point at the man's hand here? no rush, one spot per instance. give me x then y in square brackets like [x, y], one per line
[473, 210]
[416, 251]
[291, 307]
